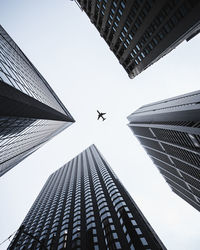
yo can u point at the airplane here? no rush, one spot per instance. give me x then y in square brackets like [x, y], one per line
[100, 115]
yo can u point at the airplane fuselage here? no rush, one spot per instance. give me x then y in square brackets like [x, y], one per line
[100, 115]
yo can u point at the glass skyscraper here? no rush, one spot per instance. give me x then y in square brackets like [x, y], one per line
[83, 205]
[169, 131]
[30, 111]
[140, 32]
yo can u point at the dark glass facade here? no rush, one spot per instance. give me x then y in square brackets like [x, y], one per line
[169, 131]
[30, 112]
[83, 205]
[139, 32]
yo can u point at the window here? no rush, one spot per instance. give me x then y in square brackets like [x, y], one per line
[115, 236]
[144, 242]
[138, 231]
[134, 222]
[122, 4]
[128, 238]
[120, 12]
[117, 245]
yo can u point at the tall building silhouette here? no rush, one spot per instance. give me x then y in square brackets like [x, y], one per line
[169, 131]
[141, 32]
[30, 111]
[83, 205]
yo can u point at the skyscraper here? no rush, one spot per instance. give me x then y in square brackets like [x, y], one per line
[83, 205]
[30, 111]
[169, 131]
[140, 32]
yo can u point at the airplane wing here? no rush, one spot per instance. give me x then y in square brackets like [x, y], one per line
[103, 113]
[98, 117]
[98, 112]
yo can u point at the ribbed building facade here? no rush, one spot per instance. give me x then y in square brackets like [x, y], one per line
[30, 111]
[169, 131]
[83, 205]
[140, 32]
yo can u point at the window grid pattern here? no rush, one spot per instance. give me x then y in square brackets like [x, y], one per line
[138, 39]
[177, 156]
[114, 17]
[186, 198]
[74, 209]
[133, 22]
[169, 132]
[20, 132]
[167, 19]
[175, 137]
[17, 71]
[21, 136]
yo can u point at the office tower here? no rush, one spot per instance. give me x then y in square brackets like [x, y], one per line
[30, 111]
[83, 205]
[169, 131]
[139, 32]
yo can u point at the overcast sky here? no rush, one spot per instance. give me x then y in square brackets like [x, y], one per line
[66, 48]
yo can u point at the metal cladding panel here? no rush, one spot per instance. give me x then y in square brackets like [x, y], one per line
[84, 205]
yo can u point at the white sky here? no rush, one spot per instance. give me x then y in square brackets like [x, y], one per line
[68, 51]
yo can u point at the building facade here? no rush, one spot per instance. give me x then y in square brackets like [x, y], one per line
[169, 131]
[30, 111]
[140, 32]
[83, 205]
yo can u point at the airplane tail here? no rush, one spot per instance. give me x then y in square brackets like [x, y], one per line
[103, 118]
